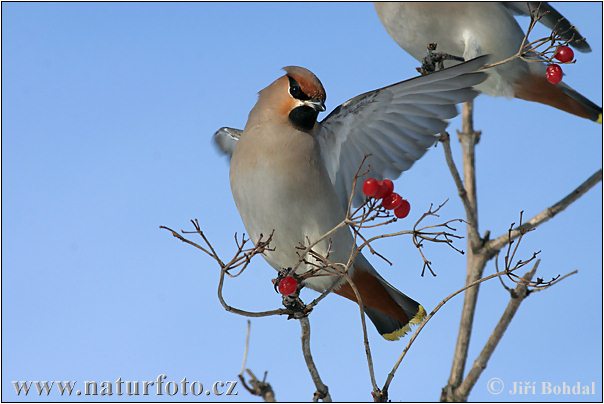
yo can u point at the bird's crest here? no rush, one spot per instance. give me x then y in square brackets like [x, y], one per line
[309, 83]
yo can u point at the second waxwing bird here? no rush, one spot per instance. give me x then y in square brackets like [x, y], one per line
[292, 174]
[470, 29]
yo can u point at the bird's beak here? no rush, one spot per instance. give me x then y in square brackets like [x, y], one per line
[317, 105]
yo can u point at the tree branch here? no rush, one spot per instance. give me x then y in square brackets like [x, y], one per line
[428, 318]
[480, 251]
[469, 138]
[255, 387]
[492, 247]
[519, 293]
[322, 392]
[517, 296]
[461, 189]
[476, 261]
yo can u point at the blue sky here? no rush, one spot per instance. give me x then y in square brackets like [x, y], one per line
[108, 110]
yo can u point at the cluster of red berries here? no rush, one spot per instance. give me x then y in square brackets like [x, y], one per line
[384, 190]
[553, 72]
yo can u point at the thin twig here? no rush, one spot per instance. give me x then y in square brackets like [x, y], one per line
[247, 346]
[550, 284]
[476, 262]
[322, 392]
[255, 387]
[493, 246]
[425, 321]
[461, 190]
[231, 309]
[517, 297]
[369, 357]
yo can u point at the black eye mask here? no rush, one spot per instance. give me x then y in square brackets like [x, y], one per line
[296, 91]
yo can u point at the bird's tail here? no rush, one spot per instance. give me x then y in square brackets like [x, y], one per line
[536, 88]
[391, 311]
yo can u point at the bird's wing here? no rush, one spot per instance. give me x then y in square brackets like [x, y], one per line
[552, 19]
[395, 125]
[226, 139]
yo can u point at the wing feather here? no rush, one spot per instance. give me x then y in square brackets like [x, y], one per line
[393, 126]
[225, 139]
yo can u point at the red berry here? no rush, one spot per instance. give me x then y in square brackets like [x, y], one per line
[564, 54]
[403, 210]
[392, 201]
[386, 188]
[370, 187]
[288, 285]
[553, 73]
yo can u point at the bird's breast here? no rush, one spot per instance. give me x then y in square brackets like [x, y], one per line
[280, 185]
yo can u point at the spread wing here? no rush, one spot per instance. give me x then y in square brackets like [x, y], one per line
[552, 19]
[395, 125]
[226, 139]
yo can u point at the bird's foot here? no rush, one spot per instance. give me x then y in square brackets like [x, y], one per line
[289, 284]
[297, 307]
[435, 61]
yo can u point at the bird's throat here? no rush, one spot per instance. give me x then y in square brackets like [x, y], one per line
[303, 117]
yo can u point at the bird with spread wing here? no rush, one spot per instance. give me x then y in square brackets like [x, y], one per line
[293, 175]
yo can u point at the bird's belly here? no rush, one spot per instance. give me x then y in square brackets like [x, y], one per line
[299, 210]
[462, 30]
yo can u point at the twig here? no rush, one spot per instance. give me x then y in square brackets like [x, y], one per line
[516, 298]
[532, 52]
[550, 284]
[461, 190]
[322, 392]
[479, 254]
[519, 293]
[469, 138]
[425, 321]
[376, 391]
[255, 387]
[247, 346]
[476, 262]
[493, 246]
[231, 309]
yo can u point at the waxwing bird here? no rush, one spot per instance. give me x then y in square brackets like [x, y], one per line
[470, 29]
[292, 174]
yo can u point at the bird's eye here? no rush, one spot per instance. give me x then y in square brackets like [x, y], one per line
[295, 91]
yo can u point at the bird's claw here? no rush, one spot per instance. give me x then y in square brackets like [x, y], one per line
[435, 61]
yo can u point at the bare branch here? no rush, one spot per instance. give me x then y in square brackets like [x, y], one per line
[476, 262]
[421, 326]
[255, 387]
[519, 293]
[376, 391]
[540, 50]
[322, 392]
[517, 297]
[247, 346]
[231, 309]
[552, 283]
[461, 189]
[493, 246]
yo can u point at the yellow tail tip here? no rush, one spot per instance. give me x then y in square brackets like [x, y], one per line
[599, 119]
[401, 332]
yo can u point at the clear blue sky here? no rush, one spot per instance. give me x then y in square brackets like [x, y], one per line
[108, 111]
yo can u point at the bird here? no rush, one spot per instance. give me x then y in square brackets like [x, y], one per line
[291, 174]
[469, 29]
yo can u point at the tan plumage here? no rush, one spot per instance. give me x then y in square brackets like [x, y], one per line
[288, 170]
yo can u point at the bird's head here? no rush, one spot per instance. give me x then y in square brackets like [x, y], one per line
[298, 96]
